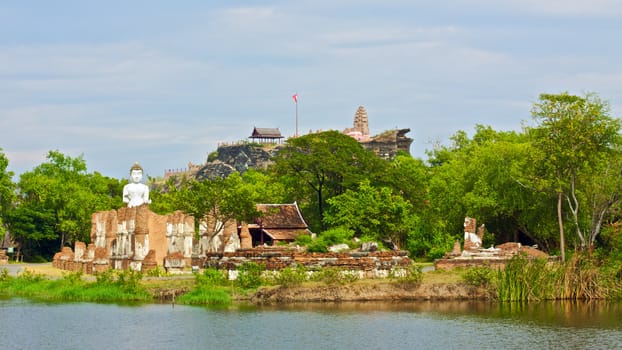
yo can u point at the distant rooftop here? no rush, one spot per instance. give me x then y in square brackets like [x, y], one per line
[266, 134]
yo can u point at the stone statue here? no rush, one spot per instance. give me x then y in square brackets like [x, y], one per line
[136, 193]
[472, 241]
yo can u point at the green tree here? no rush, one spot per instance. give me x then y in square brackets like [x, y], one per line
[602, 191]
[484, 177]
[7, 191]
[61, 195]
[409, 177]
[319, 166]
[215, 202]
[372, 213]
[574, 134]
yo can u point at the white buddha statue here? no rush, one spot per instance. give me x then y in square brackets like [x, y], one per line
[136, 193]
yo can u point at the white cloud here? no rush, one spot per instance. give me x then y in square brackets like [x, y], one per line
[574, 8]
[171, 91]
[123, 70]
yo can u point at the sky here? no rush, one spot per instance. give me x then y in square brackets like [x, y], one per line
[163, 83]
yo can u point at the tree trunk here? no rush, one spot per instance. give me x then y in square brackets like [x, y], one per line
[62, 240]
[562, 243]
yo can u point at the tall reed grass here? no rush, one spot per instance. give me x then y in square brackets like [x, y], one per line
[579, 278]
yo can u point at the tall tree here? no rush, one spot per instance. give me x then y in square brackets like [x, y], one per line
[484, 177]
[573, 135]
[217, 201]
[409, 177]
[7, 191]
[602, 191]
[373, 213]
[56, 200]
[323, 165]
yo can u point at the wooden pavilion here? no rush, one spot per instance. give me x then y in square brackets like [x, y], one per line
[266, 135]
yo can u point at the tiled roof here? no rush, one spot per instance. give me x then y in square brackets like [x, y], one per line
[280, 216]
[266, 133]
[286, 234]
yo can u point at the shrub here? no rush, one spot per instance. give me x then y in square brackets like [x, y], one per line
[412, 276]
[291, 276]
[206, 295]
[156, 272]
[211, 277]
[326, 239]
[333, 276]
[479, 276]
[4, 275]
[249, 275]
[437, 252]
[105, 277]
[212, 156]
[29, 276]
[73, 279]
[129, 280]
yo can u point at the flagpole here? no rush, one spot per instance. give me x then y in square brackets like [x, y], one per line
[295, 98]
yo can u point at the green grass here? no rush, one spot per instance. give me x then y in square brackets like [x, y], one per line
[123, 287]
[211, 288]
[207, 295]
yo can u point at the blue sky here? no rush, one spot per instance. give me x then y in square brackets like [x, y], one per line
[163, 82]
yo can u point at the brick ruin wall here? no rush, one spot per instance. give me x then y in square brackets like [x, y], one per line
[364, 264]
[377, 264]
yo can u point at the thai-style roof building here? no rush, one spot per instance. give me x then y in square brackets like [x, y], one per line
[278, 223]
[266, 135]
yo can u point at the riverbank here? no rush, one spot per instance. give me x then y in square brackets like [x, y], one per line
[369, 290]
[435, 285]
[521, 280]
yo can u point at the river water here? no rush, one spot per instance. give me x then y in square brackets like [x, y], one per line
[418, 325]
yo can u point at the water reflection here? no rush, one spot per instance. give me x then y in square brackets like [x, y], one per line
[369, 325]
[599, 314]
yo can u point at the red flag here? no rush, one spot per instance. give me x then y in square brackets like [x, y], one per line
[295, 97]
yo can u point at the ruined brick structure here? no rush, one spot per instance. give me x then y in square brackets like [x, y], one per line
[137, 238]
[4, 259]
[474, 254]
[376, 264]
[386, 145]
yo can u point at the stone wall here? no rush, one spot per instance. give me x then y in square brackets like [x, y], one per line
[365, 264]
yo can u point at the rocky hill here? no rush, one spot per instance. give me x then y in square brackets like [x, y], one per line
[239, 157]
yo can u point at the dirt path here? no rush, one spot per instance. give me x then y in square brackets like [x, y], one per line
[43, 268]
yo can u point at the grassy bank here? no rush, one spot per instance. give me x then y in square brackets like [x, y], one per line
[521, 280]
[579, 278]
[109, 286]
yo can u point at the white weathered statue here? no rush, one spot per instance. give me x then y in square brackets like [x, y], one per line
[472, 240]
[136, 193]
